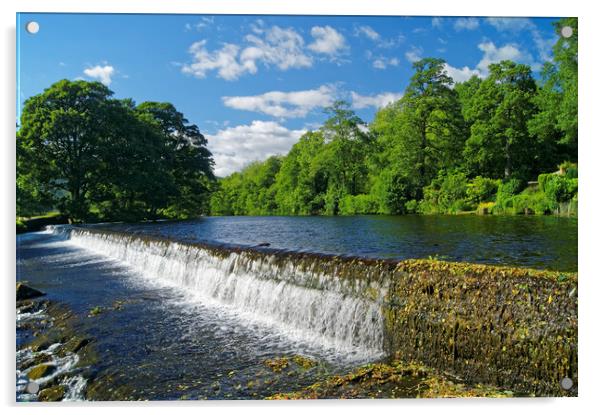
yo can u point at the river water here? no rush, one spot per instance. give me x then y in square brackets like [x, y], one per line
[199, 323]
[545, 242]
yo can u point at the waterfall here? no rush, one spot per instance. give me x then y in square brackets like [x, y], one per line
[336, 302]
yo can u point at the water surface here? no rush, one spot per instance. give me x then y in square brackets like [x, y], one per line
[544, 242]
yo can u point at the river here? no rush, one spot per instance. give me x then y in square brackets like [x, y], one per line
[200, 322]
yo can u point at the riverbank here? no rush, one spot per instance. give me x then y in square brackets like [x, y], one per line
[53, 357]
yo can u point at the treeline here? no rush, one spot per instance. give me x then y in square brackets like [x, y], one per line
[94, 157]
[506, 143]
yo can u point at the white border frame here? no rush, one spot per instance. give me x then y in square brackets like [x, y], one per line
[589, 217]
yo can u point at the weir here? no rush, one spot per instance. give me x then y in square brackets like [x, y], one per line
[511, 327]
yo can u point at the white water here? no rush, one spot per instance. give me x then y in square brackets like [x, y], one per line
[311, 306]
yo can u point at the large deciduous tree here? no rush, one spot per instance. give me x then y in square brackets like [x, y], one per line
[500, 144]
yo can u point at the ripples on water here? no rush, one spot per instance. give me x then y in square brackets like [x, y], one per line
[546, 242]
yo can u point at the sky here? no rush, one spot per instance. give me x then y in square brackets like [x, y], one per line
[255, 84]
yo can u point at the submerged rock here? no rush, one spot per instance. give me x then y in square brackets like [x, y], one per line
[52, 394]
[25, 292]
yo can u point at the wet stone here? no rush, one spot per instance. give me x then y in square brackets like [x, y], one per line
[25, 292]
[41, 371]
[52, 394]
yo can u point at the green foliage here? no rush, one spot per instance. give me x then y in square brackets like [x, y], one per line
[558, 188]
[358, 205]
[482, 189]
[96, 157]
[446, 194]
[500, 145]
[444, 147]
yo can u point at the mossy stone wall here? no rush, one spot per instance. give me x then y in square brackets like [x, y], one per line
[510, 327]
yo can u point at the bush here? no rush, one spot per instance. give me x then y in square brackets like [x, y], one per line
[504, 198]
[446, 194]
[568, 169]
[358, 205]
[411, 206]
[485, 208]
[482, 189]
[558, 188]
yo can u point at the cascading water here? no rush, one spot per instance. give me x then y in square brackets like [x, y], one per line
[306, 297]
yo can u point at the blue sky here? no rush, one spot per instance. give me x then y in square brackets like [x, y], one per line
[254, 84]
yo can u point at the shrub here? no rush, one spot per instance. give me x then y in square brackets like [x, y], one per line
[485, 208]
[558, 188]
[411, 206]
[482, 189]
[358, 204]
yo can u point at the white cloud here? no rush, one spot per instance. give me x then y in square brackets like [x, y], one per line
[414, 54]
[383, 63]
[517, 24]
[493, 54]
[201, 24]
[368, 32]
[437, 22]
[276, 46]
[235, 147]
[466, 23]
[378, 101]
[327, 40]
[461, 74]
[376, 37]
[225, 61]
[280, 47]
[102, 73]
[284, 104]
[510, 23]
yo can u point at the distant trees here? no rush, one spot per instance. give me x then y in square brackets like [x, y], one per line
[441, 148]
[93, 156]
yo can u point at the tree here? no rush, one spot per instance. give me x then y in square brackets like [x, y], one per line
[556, 122]
[500, 144]
[343, 159]
[417, 136]
[188, 160]
[58, 139]
[302, 181]
[93, 156]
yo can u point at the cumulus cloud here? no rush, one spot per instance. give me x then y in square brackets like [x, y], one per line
[101, 73]
[284, 104]
[414, 54]
[235, 147]
[461, 74]
[378, 101]
[466, 23]
[327, 41]
[275, 46]
[493, 54]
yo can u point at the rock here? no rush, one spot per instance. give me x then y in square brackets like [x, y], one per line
[25, 292]
[40, 371]
[34, 361]
[75, 344]
[52, 394]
